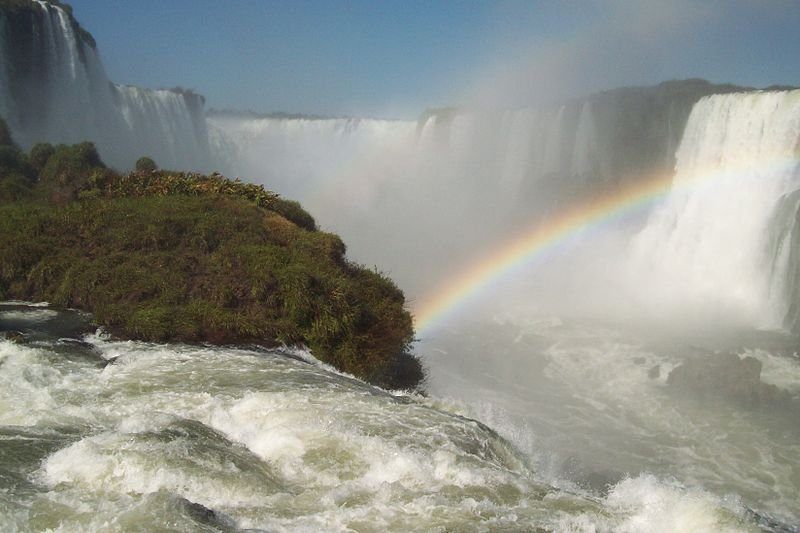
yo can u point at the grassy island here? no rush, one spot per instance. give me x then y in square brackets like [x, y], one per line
[167, 256]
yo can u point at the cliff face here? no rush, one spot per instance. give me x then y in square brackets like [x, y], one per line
[639, 129]
[553, 154]
[53, 88]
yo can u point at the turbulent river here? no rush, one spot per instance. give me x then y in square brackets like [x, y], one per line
[568, 434]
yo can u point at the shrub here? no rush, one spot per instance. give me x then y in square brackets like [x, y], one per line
[10, 158]
[293, 211]
[13, 187]
[67, 171]
[5, 134]
[16, 174]
[40, 154]
[145, 164]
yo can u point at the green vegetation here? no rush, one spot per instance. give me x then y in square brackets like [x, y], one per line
[164, 256]
[145, 164]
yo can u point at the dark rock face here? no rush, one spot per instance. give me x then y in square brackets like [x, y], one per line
[728, 377]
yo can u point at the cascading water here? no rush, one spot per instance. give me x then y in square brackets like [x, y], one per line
[596, 399]
[710, 242]
[117, 436]
[784, 246]
[310, 158]
[366, 179]
[167, 125]
[53, 88]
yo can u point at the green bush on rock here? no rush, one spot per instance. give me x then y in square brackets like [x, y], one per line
[17, 176]
[145, 164]
[67, 171]
[162, 256]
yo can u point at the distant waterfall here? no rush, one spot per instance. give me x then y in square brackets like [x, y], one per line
[718, 238]
[167, 125]
[53, 88]
[304, 157]
[529, 155]
[451, 184]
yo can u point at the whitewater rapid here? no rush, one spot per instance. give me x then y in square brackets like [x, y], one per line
[589, 402]
[97, 434]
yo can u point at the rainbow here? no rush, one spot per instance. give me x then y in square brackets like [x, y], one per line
[535, 241]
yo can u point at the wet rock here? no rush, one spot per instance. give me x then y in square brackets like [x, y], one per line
[207, 517]
[15, 336]
[727, 376]
[589, 478]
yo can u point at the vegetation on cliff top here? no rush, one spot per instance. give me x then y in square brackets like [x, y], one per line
[164, 256]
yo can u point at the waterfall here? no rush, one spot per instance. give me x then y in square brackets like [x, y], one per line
[53, 85]
[307, 158]
[53, 88]
[783, 258]
[586, 150]
[726, 235]
[167, 125]
[441, 188]
[713, 241]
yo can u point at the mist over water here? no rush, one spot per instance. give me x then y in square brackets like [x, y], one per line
[569, 355]
[118, 435]
[424, 200]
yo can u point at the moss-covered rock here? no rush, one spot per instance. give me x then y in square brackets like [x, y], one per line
[165, 256]
[15, 336]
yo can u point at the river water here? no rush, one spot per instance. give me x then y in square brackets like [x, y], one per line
[105, 435]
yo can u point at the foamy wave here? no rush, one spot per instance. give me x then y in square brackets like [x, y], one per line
[780, 370]
[649, 505]
[24, 303]
[29, 315]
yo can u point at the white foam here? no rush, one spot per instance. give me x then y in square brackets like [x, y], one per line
[650, 505]
[310, 449]
[780, 370]
[25, 303]
[25, 381]
[143, 464]
[29, 315]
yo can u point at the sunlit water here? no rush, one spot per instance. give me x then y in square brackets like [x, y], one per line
[105, 435]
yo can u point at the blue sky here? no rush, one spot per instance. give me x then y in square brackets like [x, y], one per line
[396, 58]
